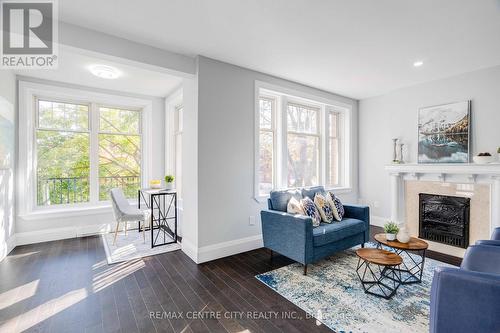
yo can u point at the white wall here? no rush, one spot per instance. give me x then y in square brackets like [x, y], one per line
[7, 160]
[395, 115]
[96, 41]
[65, 225]
[226, 156]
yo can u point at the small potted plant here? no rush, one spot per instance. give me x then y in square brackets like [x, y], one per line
[498, 152]
[391, 229]
[169, 182]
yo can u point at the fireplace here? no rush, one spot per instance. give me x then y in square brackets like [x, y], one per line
[444, 219]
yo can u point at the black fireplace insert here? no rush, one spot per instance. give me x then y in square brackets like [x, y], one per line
[444, 219]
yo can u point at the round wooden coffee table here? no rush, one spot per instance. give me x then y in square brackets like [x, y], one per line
[413, 254]
[378, 271]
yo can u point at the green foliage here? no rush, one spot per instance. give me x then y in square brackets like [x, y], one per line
[498, 150]
[169, 179]
[391, 228]
[63, 155]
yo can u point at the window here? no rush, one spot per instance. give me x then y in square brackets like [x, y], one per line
[333, 151]
[65, 155]
[303, 154]
[179, 110]
[119, 151]
[267, 108]
[299, 141]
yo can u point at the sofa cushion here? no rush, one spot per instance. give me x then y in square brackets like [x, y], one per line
[324, 208]
[311, 191]
[279, 199]
[337, 206]
[311, 210]
[331, 232]
[295, 207]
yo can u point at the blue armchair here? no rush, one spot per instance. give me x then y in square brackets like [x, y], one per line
[294, 236]
[466, 299]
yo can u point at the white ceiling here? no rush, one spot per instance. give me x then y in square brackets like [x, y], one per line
[358, 48]
[74, 68]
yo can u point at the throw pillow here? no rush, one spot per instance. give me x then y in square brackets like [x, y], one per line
[294, 207]
[324, 208]
[311, 211]
[337, 207]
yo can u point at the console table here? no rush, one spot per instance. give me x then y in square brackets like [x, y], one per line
[163, 206]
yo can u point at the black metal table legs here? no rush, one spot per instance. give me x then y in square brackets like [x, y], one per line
[380, 281]
[412, 266]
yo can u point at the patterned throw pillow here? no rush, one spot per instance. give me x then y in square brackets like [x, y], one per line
[311, 211]
[294, 207]
[324, 208]
[336, 204]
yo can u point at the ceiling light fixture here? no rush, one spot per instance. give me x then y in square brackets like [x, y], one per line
[418, 63]
[104, 71]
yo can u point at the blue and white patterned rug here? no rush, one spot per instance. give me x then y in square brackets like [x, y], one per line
[332, 293]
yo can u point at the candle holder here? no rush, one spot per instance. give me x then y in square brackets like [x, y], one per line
[395, 151]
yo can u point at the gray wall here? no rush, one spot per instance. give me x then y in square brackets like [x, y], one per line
[395, 115]
[226, 149]
[7, 149]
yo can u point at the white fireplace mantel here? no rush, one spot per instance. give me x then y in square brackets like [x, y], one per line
[455, 173]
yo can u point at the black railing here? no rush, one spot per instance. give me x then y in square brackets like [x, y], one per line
[69, 190]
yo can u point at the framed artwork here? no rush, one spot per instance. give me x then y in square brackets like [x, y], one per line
[444, 133]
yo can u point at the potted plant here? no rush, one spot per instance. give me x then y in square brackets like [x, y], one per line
[169, 182]
[391, 229]
[498, 152]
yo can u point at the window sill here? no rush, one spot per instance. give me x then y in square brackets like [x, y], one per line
[41, 214]
[263, 198]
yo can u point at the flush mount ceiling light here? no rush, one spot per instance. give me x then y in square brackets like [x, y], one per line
[104, 71]
[418, 63]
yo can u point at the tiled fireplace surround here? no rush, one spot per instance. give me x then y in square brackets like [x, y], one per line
[481, 183]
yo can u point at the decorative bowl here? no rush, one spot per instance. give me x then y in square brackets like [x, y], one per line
[483, 159]
[156, 184]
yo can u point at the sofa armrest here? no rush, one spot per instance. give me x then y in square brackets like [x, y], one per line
[361, 213]
[488, 242]
[482, 258]
[464, 301]
[288, 234]
[495, 235]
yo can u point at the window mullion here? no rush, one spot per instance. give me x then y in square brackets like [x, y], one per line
[323, 145]
[94, 153]
[283, 145]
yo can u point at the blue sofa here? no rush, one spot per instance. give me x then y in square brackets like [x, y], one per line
[295, 237]
[467, 299]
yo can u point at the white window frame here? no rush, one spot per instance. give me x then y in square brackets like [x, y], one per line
[29, 93]
[172, 104]
[284, 96]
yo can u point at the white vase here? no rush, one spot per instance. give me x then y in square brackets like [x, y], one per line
[169, 186]
[390, 237]
[403, 236]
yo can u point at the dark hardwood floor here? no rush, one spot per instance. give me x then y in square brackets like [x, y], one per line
[67, 286]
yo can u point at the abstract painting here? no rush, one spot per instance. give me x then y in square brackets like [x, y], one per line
[443, 133]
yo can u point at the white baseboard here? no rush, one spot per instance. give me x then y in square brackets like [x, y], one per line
[378, 220]
[220, 250]
[190, 250]
[9, 245]
[47, 235]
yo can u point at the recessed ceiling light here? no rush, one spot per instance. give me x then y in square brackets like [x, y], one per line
[104, 71]
[418, 63]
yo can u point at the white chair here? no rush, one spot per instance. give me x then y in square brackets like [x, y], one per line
[125, 212]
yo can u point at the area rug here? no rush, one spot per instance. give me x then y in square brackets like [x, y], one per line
[331, 292]
[132, 246]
